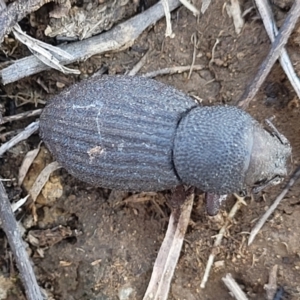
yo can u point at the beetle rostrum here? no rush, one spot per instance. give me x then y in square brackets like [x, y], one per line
[137, 134]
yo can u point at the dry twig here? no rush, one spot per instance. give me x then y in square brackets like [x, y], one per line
[277, 46]
[218, 240]
[10, 227]
[265, 11]
[120, 37]
[234, 288]
[25, 134]
[166, 261]
[268, 213]
[271, 286]
[139, 65]
[43, 51]
[16, 12]
[21, 116]
[171, 70]
[190, 7]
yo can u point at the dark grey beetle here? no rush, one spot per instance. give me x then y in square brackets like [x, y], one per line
[136, 134]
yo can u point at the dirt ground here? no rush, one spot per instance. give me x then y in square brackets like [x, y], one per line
[88, 243]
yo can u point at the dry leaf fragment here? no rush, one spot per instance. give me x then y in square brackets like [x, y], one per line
[27, 162]
[45, 52]
[234, 11]
[42, 179]
[19, 203]
[64, 263]
[205, 5]
[6, 284]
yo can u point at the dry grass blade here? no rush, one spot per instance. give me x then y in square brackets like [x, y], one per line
[35, 44]
[234, 288]
[18, 204]
[265, 11]
[204, 6]
[166, 261]
[169, 32]
[139, 65]
[26, 163]
[190, 7]
[52, 62]
[25, 134]
[195, 42]
[140, 197]
[44, 52]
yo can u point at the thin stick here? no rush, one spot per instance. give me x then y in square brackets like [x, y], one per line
[168, 255]
[21, 116]
[27, 132]
[190, 7]
[213, 52]
[16, 12]
[234, 288]
[120, 37]
[171, 70]
[10, 227]
[139, 65]
[194, 40]
[271, 286]
[268, 213]
[219, 238]
[276, 49]
[265, 11]
[169, 31]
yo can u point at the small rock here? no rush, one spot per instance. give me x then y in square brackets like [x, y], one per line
[126, 293]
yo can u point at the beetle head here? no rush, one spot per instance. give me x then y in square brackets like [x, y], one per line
[269, 159]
